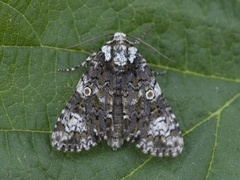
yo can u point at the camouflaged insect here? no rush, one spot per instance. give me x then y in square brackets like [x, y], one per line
[118, 99]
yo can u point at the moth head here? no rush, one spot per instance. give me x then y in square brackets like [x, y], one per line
[119, 36]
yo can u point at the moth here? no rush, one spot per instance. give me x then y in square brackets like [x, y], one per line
[118, 99]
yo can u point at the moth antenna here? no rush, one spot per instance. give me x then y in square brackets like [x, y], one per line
[146, 44]
[89, 40]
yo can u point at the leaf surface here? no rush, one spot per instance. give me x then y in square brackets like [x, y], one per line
[202, 85]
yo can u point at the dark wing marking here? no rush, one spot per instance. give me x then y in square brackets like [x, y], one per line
[151, 123]
[82, 122]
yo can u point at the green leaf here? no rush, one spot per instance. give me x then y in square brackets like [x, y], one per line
[202, 85]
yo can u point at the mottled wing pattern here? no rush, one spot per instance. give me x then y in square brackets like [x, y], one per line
[152, 125]
[118, 99]
[82, 122]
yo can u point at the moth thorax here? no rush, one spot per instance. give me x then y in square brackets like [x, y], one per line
[150, 94]
[87, 91]
[119, 55]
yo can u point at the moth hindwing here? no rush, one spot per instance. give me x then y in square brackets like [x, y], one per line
[118, 99]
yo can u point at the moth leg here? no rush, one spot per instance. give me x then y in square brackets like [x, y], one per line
[158, 73]
[83, 64]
